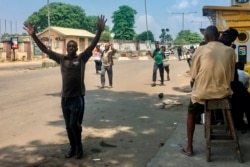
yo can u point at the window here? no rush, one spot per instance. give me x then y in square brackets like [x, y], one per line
[81, 44]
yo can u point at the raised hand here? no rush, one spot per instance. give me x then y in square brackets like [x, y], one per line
[101, 22]
[29, 28]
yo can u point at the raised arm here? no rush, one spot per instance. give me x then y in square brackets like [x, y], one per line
[113, 50]
[31, 30]
[150, 53]
[100, 27]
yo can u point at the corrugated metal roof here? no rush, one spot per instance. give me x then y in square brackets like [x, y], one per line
[71, 32]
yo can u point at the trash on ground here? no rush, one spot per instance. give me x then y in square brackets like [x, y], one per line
[103, 144]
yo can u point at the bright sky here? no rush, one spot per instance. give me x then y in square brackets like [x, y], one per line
[160, 13]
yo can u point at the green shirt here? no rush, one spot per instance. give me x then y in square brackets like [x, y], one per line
[158, 56]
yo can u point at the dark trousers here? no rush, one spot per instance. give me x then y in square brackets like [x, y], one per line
[98, 65]
[167, 69]
[189, 61]
[110, 75]
[239, 108]
[73, 111]
[240, 105]
[179, 56]
[161, 70]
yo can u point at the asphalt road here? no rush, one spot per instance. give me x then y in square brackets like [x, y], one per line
[123, 127]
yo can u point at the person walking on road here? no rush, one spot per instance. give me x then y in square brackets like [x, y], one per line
[97, 58]
[179, 52]
[158, 56]
[73, 87]
[212, 72]
[107, 64]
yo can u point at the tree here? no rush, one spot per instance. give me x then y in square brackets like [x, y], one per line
[144, 36]
[195, 38]
[62, 15]
[106, 37]
[187, 37]
[164, 37]
[124, 20]
[91, 26]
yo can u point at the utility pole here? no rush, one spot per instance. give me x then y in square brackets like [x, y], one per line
[10, 27]
[145, 2]
[0, 28]
[183, 13]
[5, 26]
[199, 22]
[16, 27]
[48, 23]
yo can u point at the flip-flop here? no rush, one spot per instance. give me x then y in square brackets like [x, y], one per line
[189, 154]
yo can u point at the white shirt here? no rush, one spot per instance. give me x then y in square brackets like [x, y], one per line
[243, 77]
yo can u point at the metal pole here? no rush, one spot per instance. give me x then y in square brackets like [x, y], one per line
[16, 27]
[145, 2]
[183, 17]
[48, 22]
[182, 21]
[10, 27]
[199, 22]
[5, 26]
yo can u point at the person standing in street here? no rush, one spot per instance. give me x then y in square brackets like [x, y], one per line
[107, 64]
[97, 58]
[73, 87]
[166, 61]
[212, 72]
[179, 52]
[190, 53]
[158, 56]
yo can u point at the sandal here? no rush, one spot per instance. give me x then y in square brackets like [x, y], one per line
[183, 151]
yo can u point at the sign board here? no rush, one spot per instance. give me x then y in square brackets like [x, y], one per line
[242, 53]
[14, 42]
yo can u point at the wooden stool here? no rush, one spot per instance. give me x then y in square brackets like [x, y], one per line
[220, 135]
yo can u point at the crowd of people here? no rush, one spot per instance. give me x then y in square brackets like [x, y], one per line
[103, 58]
[226, 78]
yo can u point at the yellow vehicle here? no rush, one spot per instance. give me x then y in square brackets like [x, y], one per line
[235, 16]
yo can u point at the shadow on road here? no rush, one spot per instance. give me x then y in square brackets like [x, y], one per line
[131, 121]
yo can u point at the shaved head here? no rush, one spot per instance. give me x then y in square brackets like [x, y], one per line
[211, 34]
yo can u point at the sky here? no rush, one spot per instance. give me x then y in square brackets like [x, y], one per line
[152, 15]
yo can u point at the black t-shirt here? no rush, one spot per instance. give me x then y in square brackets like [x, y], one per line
[72, 77]
[72, 71]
